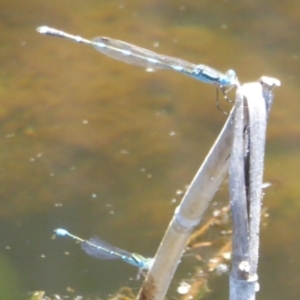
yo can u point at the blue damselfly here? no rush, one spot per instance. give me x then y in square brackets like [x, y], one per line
[141, 57]
[102, 250]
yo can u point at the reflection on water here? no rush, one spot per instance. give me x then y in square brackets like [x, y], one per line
[100, 147]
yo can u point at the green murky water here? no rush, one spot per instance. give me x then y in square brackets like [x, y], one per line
[101, 147]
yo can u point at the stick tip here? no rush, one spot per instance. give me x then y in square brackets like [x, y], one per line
[270, 81]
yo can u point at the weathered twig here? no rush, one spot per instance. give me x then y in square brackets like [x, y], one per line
[245, 179]
[188, 215]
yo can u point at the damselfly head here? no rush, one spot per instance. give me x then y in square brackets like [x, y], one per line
[231, 75]
[141, 261]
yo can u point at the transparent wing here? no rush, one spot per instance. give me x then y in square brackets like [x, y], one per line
[102, 250]
[138, 56]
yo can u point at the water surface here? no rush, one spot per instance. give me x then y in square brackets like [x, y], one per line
[101, 147]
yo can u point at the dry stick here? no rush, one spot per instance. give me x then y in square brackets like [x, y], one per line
[188, 215]
[194, 203]
[238, 201]
[245, 180]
